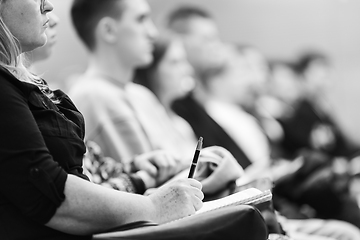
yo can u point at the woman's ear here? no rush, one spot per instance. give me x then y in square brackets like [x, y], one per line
[107, 30]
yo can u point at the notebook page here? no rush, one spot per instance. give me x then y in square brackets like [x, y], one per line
[242, 197]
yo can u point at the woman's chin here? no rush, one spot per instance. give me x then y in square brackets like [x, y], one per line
[34, 45]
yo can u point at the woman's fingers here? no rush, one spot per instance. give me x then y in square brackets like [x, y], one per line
[194, 183]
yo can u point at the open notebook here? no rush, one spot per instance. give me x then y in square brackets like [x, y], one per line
[250, 196]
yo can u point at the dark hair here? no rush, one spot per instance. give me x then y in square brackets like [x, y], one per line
[178, 18]
[307, 58]
[243, 47]
[146, 75]
[86, 14]
[273, 63]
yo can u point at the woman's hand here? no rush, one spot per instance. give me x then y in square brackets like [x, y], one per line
[177, 199]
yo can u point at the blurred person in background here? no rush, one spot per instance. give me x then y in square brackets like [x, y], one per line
[296, 98]
[282, 91]
[207, 55]
[220, 117]
[258, 71]
[169, 77]
[310, 128]
[312, 124]
[308, 134]
[200, 35]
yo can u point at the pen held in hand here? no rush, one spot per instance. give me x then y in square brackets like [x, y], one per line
[196, 157]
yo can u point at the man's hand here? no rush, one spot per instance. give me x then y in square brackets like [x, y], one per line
[225, 168]
[159, 164]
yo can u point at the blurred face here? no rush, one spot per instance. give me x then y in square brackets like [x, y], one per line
[173, 74]
[203, 44]
[135, 34]
[238, 82]
[45, 51]
[27, 21]
[317, 76]
[257, 64]
[284, 84]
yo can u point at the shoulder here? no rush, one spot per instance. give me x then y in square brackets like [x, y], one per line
[10, 86]
[7, 79]
[91, 89]
[137, 88]
[140, 92]
[93, 96]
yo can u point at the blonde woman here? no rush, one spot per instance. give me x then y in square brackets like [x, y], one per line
[43, 192]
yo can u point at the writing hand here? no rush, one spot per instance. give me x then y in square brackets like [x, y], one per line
[177, 199]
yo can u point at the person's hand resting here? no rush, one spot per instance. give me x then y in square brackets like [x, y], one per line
[223, 169]
[156, 167]
[177, 199]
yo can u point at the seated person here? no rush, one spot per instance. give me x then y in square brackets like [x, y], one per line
[125, 118]
[309, 110]
[44, 193]
[169, 76]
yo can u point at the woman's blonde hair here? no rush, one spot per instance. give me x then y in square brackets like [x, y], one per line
[12, 59]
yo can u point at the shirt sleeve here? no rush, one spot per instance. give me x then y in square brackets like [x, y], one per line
[30, 180]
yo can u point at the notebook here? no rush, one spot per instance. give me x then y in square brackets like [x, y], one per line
[250, 196]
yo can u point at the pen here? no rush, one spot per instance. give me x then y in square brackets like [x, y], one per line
[196, 157]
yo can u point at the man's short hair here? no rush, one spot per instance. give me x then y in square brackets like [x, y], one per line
[178, 19]
[86, 14]
[308, 57]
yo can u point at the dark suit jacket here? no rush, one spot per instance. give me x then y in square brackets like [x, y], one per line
[203, 125]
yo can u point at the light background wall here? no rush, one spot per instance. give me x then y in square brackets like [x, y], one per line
[279, 28]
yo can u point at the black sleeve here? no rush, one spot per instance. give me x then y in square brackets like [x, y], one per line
[138, 184]
[30, 179]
